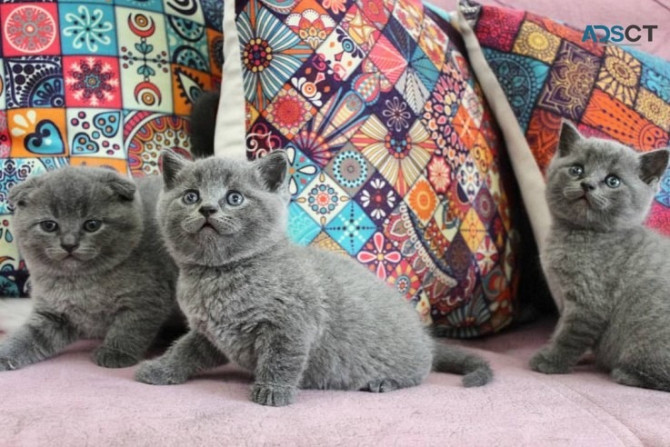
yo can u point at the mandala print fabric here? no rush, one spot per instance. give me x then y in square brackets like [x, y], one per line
[395, 159]
[97, 83]
[549, 74]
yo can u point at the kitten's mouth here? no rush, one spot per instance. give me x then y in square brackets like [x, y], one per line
[583, 199]
[208, 227]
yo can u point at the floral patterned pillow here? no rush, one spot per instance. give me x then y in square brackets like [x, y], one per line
[97, 83]
[395, 159]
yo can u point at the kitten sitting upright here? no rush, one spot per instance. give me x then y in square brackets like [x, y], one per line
[296, 316]
[98, 267]
[612, 273]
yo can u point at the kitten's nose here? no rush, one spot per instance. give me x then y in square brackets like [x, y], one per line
[207, 210]
[587, 186]
[69, 247]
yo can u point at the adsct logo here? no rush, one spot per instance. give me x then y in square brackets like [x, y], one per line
[618, 33]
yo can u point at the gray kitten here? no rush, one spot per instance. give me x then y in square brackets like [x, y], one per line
[98, 267]
[612, 273]
[296, 316]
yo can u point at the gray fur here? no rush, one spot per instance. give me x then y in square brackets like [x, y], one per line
[118, 284]
[295, 316]
[612, 272]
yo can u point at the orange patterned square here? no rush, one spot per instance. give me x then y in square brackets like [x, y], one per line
[614, 118]
[186, 81]
[542, 136]
[465, 126]
[37, 133]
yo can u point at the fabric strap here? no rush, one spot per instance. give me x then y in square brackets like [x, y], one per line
[230, 135]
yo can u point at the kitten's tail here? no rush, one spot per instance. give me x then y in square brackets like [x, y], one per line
[476, 370]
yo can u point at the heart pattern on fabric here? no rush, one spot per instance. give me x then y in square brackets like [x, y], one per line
[46, 140]
[82, 144]
[107, 123]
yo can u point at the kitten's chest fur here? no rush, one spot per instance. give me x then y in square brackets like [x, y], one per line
[584, 264]
[621, 277]
[88, 306]
[219, 305]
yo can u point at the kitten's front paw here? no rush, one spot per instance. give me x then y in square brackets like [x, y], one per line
[155, 372]
[8, 364]
[273, 395]
[546, 363]
[110, 358]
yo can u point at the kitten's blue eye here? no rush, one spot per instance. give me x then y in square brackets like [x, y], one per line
[576, 170]
[92, 225]
[234, 198]
[190, 197]
[612, 181]
[49, 226]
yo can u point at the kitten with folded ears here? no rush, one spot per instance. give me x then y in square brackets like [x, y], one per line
[98, 267]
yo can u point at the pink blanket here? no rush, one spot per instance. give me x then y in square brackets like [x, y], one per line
[68, 401]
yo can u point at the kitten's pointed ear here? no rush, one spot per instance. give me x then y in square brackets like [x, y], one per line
[273, 168]
[653, 165]
[19, 193]
[123, 187]
[568, 137]
[172, 163]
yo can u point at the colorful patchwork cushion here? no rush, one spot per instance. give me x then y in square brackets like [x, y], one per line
[97, 83]
[395, 158]
[548, 74]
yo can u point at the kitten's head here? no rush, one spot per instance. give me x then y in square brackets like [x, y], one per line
[599, 184]
[217, 210]
[76, 220]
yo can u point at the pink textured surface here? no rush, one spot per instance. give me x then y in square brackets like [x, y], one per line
[580, 13]
[69, 401]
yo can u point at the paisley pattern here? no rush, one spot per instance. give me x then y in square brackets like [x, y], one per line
[612, 92]
[394, 159]
[97, 83]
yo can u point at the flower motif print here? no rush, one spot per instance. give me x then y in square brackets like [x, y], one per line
[93, 81]
[311, 26]
[439, 175]
[87, 28]
[271, 53]
[336, 6]
[377, 198]
[379, 255]
[396, 113]
[30, 29]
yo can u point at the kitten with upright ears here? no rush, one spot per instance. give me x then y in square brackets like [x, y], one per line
[296, 316]
[612, 273]
[98, 267]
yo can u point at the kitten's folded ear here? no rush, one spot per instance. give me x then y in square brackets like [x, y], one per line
[273, 168]
[172, 164]
[18, 194]
[653, 165]
[123, 187]
[568, 137]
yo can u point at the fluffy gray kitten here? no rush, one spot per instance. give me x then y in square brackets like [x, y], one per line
[98, 267]
[612, 273]
[296, 316]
